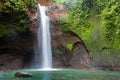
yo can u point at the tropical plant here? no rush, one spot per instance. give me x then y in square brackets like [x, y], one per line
[95, 21]
[13, 15]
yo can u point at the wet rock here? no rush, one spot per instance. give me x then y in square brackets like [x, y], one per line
[77, 58]
[80, 58]
[23, 74]
[8, 60]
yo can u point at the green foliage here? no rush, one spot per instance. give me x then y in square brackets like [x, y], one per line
[97, 22]
[13, 15]
[17, 5]
[69, 46]
[58, 1]
[111, 23]
[77, 20]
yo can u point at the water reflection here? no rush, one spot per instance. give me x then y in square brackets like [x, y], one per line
[76, 75]
[65, 75]
[2, 73]
[46, 76]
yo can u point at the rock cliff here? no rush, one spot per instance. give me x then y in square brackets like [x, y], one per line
[16, 51]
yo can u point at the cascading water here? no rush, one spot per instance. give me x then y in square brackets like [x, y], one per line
[43, 55]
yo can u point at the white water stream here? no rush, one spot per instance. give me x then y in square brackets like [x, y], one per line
[43, 55]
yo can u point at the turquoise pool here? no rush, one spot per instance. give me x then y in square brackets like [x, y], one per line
[65, 74]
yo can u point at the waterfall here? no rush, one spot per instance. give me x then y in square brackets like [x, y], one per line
[43, 55]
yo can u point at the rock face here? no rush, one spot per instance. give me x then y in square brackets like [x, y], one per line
[45, 2]
[11, 61]
[80, 57]
[62, 57]
[13, 50]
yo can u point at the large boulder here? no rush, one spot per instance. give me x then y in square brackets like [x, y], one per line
[23, 74]
[77, 58]
[80, 57]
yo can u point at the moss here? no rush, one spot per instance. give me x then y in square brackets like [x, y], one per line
[69, 46]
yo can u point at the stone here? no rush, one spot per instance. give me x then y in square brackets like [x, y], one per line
[80, 58]
[23, 74]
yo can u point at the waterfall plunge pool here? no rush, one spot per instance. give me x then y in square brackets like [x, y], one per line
[63, 74]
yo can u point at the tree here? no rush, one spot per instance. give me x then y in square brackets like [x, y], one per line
[111, 23]
[96, 21]
[13, 15]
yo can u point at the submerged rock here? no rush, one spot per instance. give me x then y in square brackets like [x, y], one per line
[23, 74]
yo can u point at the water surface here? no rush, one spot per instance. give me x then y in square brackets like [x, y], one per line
[64, 75]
